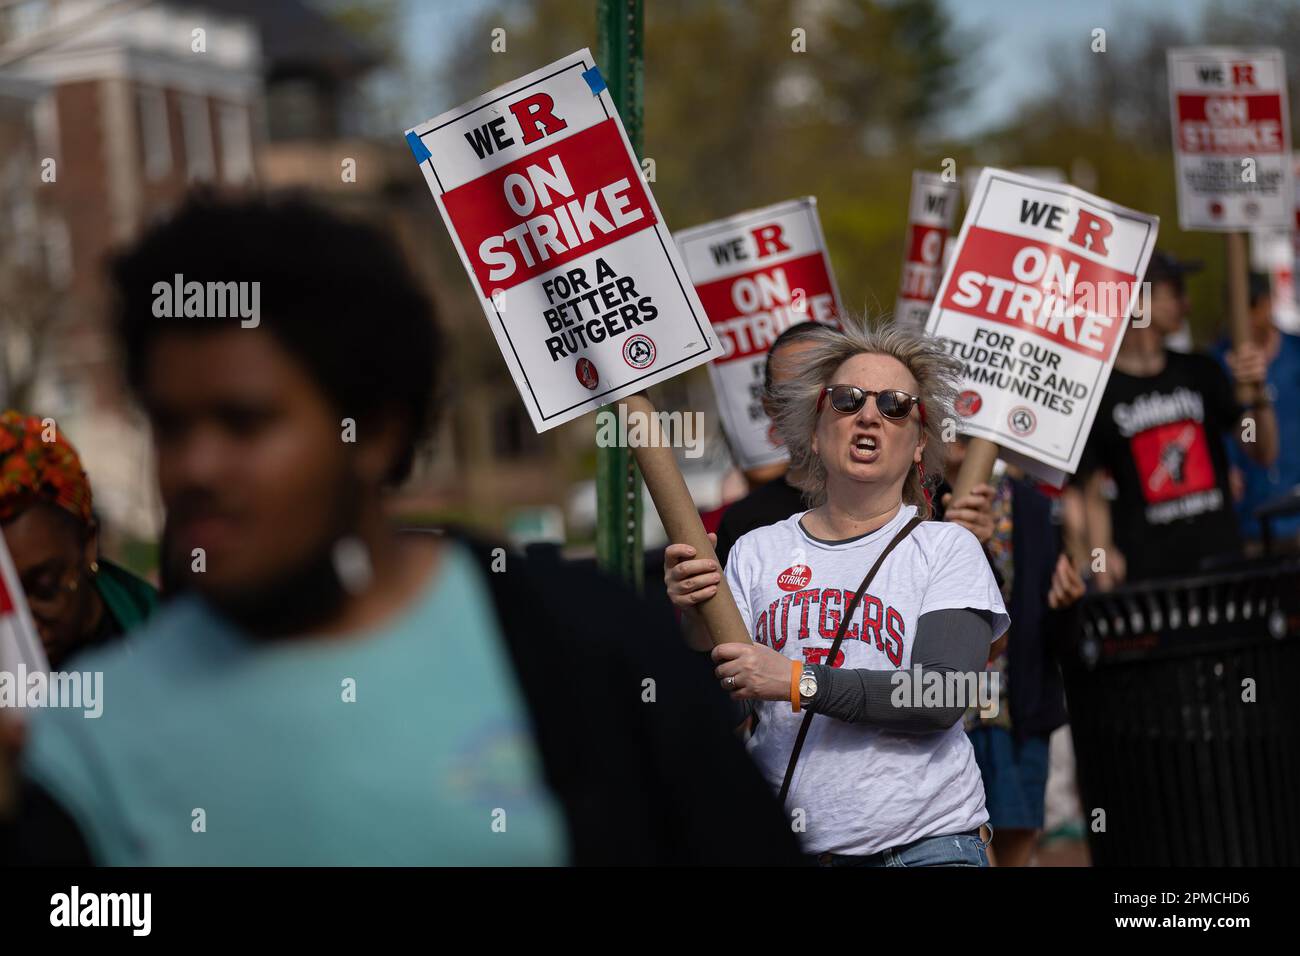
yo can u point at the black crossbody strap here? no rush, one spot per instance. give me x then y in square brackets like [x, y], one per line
[835, 647]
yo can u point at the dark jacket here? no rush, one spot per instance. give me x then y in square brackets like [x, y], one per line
[641, 782]
[1034, 676]
[1037, 691]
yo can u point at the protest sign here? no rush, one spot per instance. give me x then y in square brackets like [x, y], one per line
[931, 213]
[1273, 254]
[757, 274]
[563, 241]
[1276, 253]
[1034, 304]
[1232, 144]
[19, 642]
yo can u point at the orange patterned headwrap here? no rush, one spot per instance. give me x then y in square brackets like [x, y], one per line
[34, 470]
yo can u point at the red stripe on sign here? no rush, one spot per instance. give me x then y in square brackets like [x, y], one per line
[925, 244]
[1230, 124]
[749, 310]
[766, 288]
[1231, 109]
[6, 602]
[1046, 290]
[549, 208]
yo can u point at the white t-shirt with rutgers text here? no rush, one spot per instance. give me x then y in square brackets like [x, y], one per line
[863, 789]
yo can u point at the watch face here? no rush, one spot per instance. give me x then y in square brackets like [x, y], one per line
[807, 685]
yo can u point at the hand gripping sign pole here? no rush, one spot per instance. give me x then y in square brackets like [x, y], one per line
[618, 486]
[681, 520]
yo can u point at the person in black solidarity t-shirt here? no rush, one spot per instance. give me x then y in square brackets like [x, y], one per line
[1158, 432]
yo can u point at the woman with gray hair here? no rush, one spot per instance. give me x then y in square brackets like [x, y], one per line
[886, 775]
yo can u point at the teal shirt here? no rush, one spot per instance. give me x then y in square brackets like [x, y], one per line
[433, 763]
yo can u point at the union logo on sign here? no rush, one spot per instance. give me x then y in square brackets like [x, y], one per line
[639, 351]
[968, 403]
[587, 374]
[1022, 420]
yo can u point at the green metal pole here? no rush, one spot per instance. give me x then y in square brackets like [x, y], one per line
[618, 480]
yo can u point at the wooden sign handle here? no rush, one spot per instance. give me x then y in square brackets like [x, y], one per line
[1238, 263]
[977, 466]
[682, 521]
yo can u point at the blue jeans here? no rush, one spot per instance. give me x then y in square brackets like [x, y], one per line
[954, 849]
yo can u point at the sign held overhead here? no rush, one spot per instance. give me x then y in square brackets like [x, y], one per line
[1232, 144]
[563, 241]
[757, 273]
[931, 214]
[1034, 303]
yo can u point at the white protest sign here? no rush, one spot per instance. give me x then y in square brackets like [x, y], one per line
[563, 241]
[1286, 297]
[1034, 303]
[757, 273]
[19, 642]
[1232, 145]
[1273, 253]
[930, 217]
[1276, 253]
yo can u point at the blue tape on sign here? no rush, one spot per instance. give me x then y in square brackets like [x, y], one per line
[417, 147]
[594, 80]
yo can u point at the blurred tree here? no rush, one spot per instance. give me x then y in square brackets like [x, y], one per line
[377, 23]
[28, 304]
[29, 298]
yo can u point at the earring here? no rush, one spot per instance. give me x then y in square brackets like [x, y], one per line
[925, 485]
[351, 561]
[94, 567]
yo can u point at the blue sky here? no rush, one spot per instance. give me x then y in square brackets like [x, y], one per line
[1020, 35]
[1017, 36]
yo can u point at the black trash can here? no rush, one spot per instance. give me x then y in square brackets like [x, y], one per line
[1186, 768]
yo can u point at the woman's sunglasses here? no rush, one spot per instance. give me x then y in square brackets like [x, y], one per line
[894, 403]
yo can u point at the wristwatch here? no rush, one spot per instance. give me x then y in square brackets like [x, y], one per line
[807, 686]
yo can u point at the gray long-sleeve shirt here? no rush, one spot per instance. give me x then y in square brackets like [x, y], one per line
[947, 641]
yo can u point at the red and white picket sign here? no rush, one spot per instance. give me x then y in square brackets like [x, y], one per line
[931, 214]
[19, 642]
[1232, 141]
[757, 273]
[1034, 302]
[563, 241]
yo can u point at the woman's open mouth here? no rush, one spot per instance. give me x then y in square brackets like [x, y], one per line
[865, 448]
